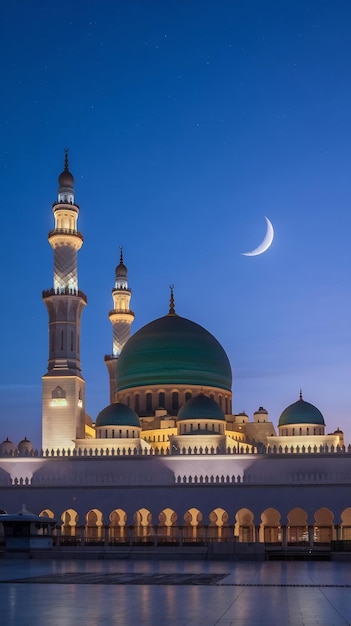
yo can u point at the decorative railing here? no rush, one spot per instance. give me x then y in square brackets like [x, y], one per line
[65, 231]
[125, 311]
[67, 291]
[142, 452]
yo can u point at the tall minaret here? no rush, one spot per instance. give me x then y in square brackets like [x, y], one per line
[63, 396]
[121, 318]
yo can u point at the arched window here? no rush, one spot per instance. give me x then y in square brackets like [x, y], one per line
[161, 400]
[149, 401]
[136, 402]
[188, 396]
[175, 400]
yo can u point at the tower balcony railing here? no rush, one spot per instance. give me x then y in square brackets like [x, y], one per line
[124, 311]
[66, 291]
[65, 231]
[72, 205]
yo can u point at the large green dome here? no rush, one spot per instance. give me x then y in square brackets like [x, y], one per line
[301, 412]
[172, 350]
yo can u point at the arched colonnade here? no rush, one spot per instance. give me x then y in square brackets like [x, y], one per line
[194, 527]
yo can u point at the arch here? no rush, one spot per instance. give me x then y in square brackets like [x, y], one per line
[167, 531]
[297, 531]
[192, 530]
[218, 525]
[346, 524]
[323, 526]
[117, 528]
[270, 526]
[244, 525]
[143, 526]
[47, 513]
[69, 520]
[93, 526]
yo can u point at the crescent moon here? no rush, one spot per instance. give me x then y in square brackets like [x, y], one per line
[266, 243]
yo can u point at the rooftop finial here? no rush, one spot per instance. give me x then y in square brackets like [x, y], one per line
[300, 393]
[121, 254]
[171, 302]
[66, 160]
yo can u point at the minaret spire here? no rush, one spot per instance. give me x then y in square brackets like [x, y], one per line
[121, 318]
[63, 384]
[171, 301]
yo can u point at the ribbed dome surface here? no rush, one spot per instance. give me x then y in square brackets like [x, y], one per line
[201, 407]
[301, 412]
[117, 414]
[173, 350]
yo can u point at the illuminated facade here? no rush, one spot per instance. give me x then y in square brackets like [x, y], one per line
[166, 457]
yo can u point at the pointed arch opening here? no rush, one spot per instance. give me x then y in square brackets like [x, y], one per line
[117, 528]
[167, 531]
[297, 530]
[244, 526]
[143, 531]
[270, 531]
[218, 528]
[193, 532]
[94, 527]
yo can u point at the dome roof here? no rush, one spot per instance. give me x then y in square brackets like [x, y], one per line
[172, 350]
[121, 271]
[25, 446]
[7, 447]
[301, 412]
[201, 407]
[117, 414]
[66, 179]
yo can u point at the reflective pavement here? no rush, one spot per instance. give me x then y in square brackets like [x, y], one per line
[177, 593]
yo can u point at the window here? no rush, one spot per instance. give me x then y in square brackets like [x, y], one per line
[188, 396]
[161, 400]
[136, 402]
[175, 400]
[149, 401]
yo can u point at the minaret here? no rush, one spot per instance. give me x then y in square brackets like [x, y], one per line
[63, 397]
[121, 318]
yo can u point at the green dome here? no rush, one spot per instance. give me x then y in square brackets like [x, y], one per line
[301, 412]
[173, 350]
[201, 407]
[117, 414]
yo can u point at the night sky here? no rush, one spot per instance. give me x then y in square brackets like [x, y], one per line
[187, 122]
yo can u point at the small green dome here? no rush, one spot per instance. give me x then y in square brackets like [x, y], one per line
[117, 414]
[173, 350]
[301, 412]
[201, 407]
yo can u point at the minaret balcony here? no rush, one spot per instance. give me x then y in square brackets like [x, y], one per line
[61, 205]
[58, 232]
[67, 291]
[121, 315]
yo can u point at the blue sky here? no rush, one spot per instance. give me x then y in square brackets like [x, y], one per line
[187, 123]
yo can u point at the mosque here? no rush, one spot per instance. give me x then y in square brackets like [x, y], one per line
[166, 460]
